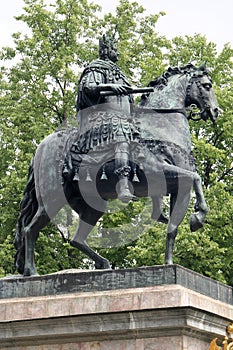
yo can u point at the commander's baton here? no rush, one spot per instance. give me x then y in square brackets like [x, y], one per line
[133, 91]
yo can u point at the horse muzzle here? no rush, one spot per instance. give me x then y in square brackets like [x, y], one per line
[211, 113]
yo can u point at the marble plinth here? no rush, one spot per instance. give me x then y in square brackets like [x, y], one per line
[149, 312]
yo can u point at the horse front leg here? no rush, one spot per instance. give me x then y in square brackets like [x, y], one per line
[179, 203]
[170, 241]
[157, 212]
[197, 219]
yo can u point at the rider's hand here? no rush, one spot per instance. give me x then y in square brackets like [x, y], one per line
[119, 89]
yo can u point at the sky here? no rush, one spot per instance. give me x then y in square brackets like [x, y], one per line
[212, 18]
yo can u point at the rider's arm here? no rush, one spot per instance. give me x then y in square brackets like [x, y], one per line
[92, 82]
[95, 82]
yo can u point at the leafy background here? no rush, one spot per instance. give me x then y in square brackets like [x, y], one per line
[38, 78]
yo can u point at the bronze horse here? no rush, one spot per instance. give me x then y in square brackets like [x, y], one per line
[161, 163]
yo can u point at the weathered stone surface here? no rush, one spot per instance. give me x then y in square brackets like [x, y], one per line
[73, 281]
[148, 298]
[108, 327]
[147, 318]
[149, 308]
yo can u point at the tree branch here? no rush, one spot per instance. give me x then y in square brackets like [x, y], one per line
[227, 172]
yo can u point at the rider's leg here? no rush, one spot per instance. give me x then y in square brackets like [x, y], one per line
[122, 170]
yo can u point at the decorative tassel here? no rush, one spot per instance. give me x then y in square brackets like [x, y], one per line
[65, 170]
[135, 177]
[141, 156]
[88, 177]
[141, 166]
[76, 175]
[104, 175]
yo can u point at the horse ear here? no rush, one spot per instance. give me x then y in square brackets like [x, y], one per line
[203, 66]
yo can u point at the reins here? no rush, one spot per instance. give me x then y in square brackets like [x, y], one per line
[161, 110]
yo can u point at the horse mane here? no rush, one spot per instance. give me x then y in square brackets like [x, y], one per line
[161, 81]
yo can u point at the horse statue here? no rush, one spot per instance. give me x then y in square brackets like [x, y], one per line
[65, 169]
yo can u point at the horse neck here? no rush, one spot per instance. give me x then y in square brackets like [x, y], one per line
[171, 96]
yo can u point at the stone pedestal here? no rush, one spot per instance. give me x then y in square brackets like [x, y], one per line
[149, 308]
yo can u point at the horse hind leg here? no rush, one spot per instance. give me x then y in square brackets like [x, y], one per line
[100, 261]
[197, 219]
[31, 233]
[31, 220]
[87, 220]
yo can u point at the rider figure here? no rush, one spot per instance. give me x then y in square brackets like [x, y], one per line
[113, 112]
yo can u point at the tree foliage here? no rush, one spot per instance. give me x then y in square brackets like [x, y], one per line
[38, 79]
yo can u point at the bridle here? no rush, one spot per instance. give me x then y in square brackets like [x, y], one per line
[190, 112]
[192, 108]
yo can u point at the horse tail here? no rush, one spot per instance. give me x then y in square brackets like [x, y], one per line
[28, 208]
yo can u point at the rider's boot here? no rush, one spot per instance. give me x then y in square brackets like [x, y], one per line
[122, 170]
[123, 190]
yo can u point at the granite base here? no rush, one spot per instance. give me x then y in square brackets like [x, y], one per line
[155, 315]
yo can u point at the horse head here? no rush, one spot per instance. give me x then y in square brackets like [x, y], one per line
[200, 93]
[181, 87]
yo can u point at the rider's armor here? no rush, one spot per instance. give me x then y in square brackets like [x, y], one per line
[92, 107]
[105, 121]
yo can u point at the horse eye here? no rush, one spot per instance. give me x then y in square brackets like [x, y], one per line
[207, 86]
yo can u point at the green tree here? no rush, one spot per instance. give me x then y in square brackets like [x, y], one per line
[38, 88]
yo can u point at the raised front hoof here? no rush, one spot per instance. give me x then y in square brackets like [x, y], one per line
[30, 272]
[104, 265]
[195, 222]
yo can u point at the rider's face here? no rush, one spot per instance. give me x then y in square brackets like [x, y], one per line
[113, 54]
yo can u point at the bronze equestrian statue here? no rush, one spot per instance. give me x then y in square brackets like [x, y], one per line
[118, 151]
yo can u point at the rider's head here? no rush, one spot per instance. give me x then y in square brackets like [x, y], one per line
[108, 48]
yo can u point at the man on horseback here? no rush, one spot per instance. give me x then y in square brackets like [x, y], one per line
[106, 118]
[168, 165]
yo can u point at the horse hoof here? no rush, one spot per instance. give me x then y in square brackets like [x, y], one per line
[30, 272]
[105, 265]
[195, 223]
[169, 262]
[162, 218]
